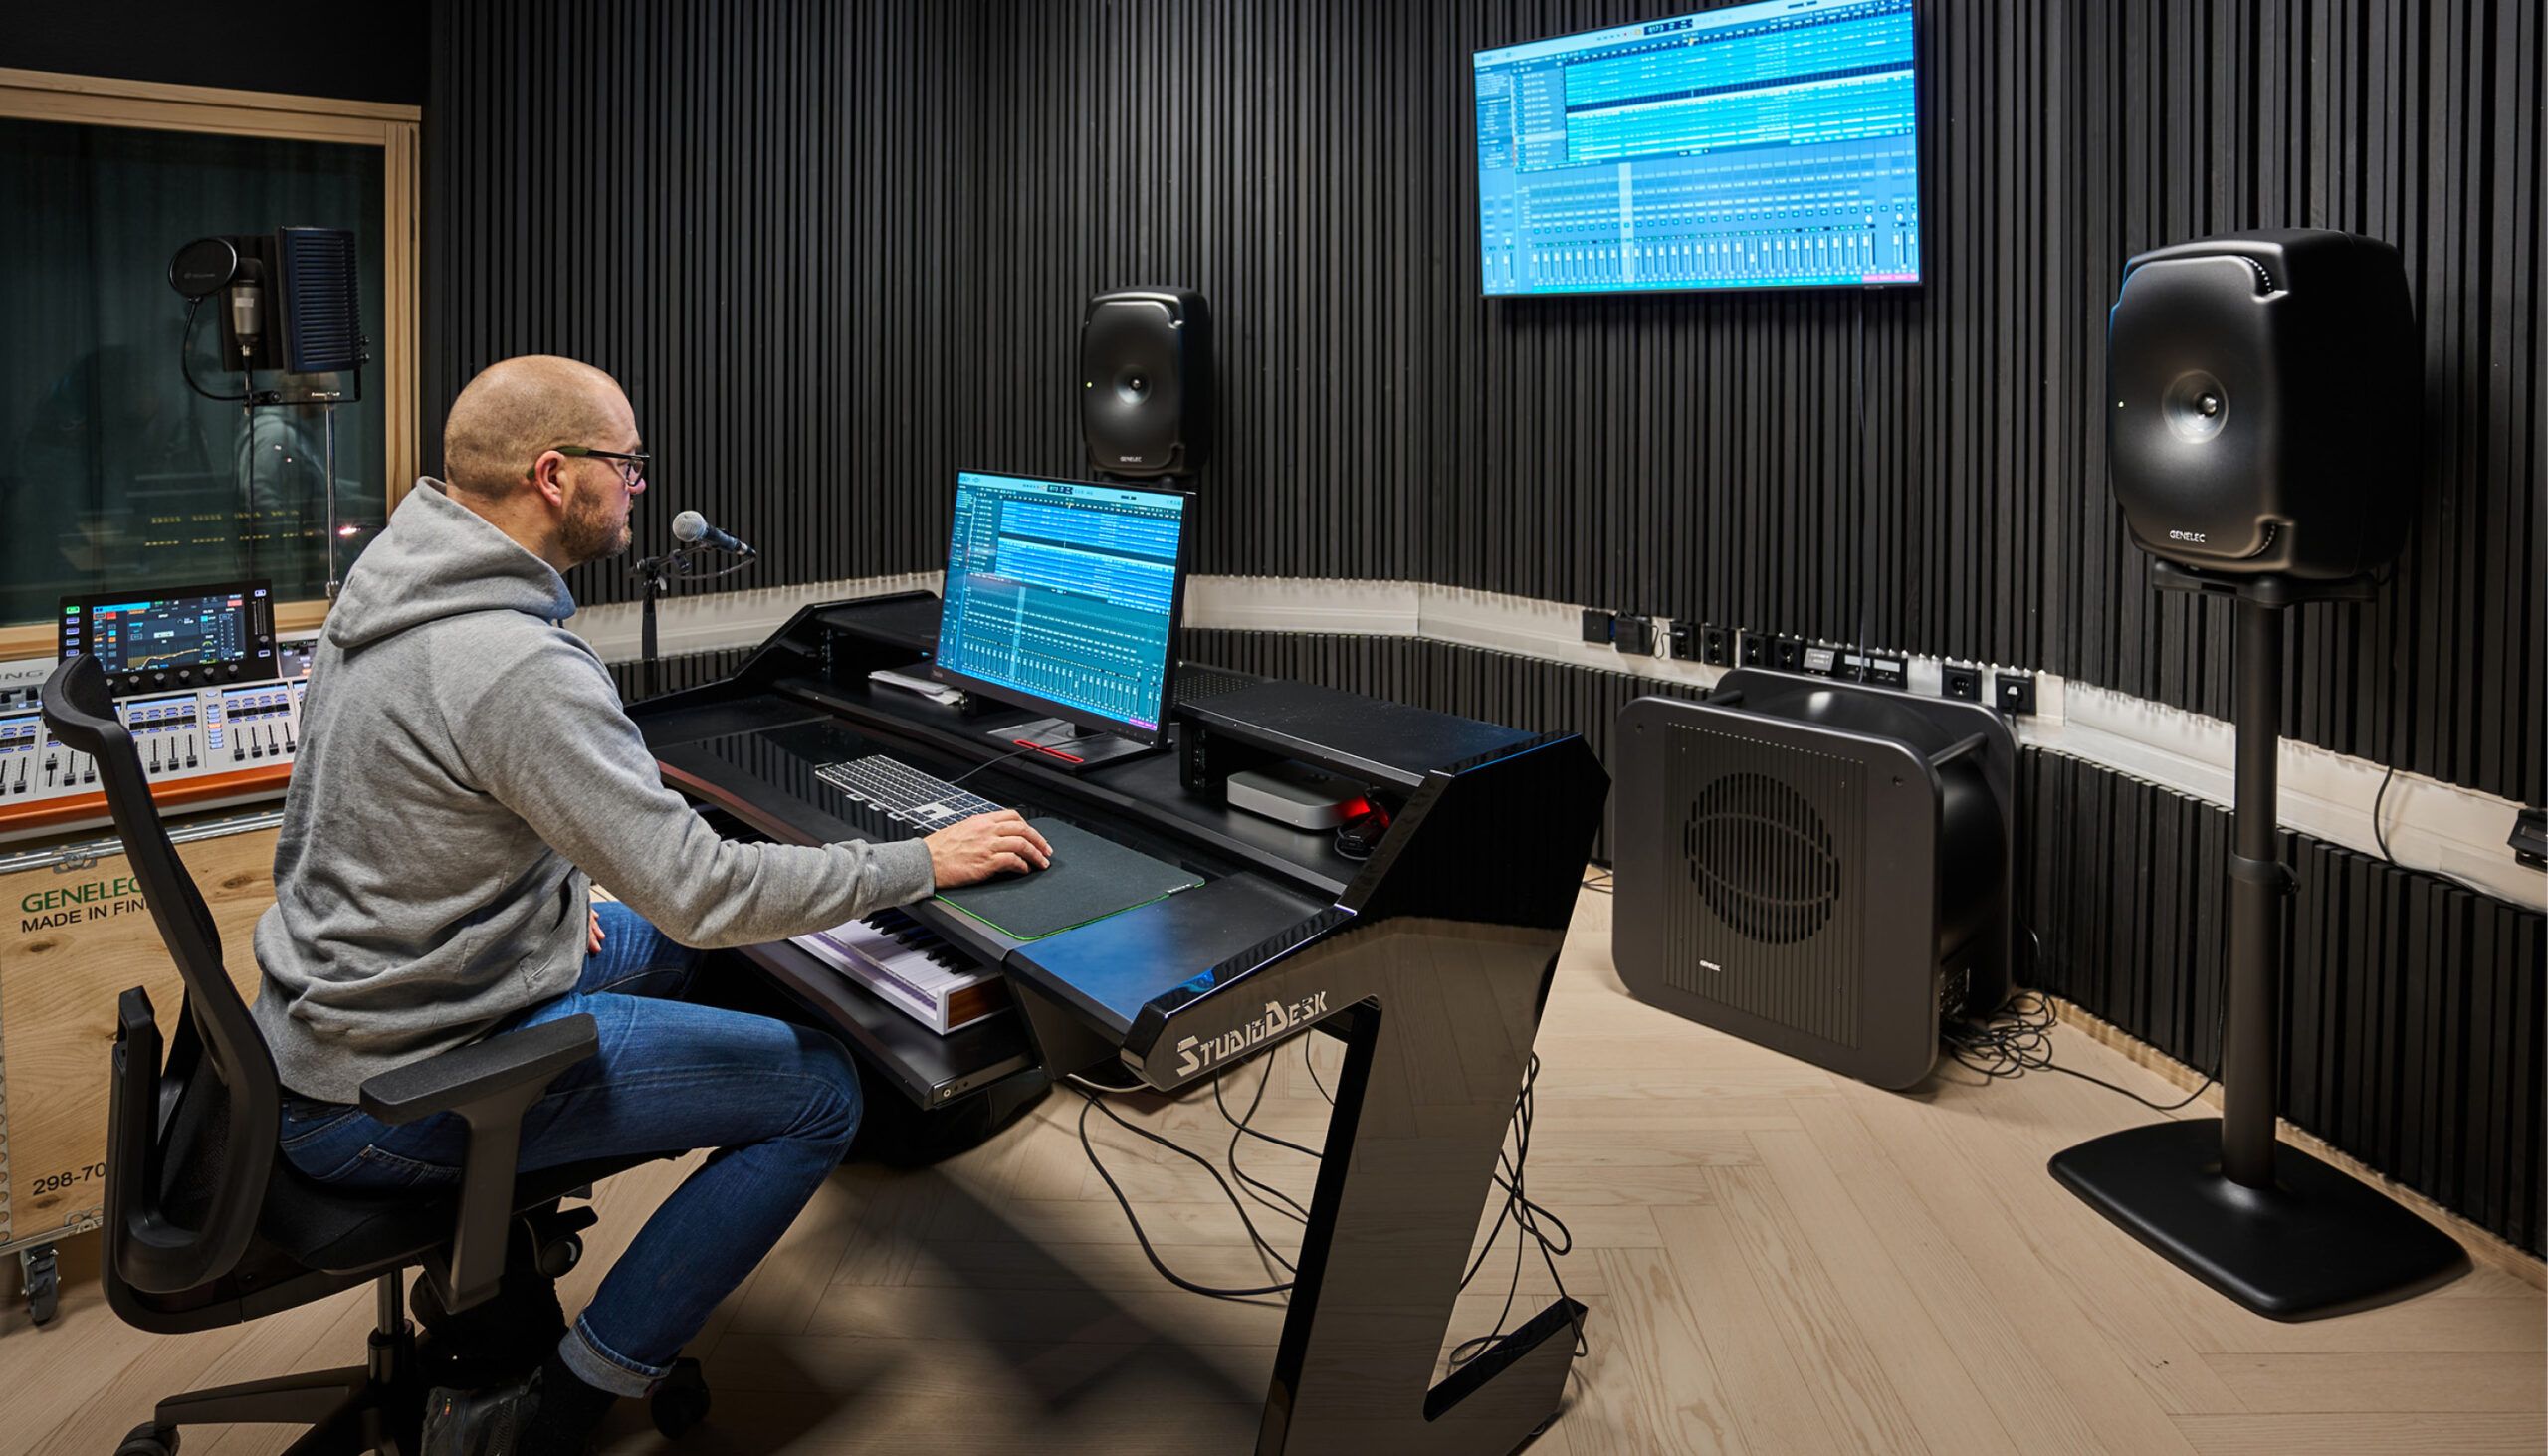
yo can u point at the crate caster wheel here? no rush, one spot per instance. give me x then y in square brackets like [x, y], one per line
[41, 1272]
[681, 1401]
[147, 1440]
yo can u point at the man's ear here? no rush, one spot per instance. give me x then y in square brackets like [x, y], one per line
[548, 477]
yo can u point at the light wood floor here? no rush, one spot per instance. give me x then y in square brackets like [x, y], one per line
[1778, 1262]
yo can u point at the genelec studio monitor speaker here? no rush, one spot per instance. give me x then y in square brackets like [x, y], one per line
[2262, 402]
[2263, 409]
[1145, 382]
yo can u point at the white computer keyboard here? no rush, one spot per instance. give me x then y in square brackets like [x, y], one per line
[904, 792]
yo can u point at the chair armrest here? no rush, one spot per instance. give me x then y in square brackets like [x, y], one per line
[490, 1085]
[454, 1080]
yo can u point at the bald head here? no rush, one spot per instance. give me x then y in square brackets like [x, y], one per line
[515, 410]
[503, 457]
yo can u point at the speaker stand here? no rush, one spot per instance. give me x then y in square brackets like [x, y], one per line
[2273, 1228]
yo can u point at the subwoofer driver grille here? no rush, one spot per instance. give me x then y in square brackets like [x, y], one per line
[1766, 915]
[1761, 857]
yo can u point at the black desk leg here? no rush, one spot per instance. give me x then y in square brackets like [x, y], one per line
[1439, 1019]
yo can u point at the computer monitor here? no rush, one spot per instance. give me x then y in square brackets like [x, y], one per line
[1755, 147]
[1064, 596]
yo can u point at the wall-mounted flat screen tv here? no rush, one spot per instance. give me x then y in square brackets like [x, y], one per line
[1755, 147]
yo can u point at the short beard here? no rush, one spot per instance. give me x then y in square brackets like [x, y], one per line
[591, 533]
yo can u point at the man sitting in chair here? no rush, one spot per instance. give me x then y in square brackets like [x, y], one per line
[465, 765]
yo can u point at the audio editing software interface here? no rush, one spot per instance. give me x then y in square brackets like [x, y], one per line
[1768, 145]
[1064, 592]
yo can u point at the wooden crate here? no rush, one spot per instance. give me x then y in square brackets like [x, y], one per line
[79, 934]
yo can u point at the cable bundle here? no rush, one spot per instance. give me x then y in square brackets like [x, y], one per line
[2017, 1039]
[1526, 1218]
[1532, 1222]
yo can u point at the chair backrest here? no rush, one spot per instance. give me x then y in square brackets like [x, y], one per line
[192, 1145]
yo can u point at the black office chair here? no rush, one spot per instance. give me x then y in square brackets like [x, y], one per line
[206, 1225]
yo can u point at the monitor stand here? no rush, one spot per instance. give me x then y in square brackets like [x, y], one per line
[1052, 739]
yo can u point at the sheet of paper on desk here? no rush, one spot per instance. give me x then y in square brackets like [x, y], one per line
[934, 691]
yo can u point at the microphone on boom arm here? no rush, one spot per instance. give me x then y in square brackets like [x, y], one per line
[692, 529]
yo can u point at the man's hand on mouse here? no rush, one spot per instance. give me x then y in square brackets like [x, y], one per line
[971, 851]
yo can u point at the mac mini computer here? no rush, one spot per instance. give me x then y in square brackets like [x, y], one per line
[1296, 794]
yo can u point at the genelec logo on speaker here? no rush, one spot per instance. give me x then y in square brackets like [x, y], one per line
[1193, 1054]
[2195, 536]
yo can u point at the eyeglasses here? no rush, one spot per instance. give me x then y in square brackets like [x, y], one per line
[631, 467]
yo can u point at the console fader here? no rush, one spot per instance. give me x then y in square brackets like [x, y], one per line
[206, 733]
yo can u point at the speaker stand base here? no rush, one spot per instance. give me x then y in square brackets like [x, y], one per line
[2317, 1243]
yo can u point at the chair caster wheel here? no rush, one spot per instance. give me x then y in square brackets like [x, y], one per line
[559, 1257]
[553, 1246]
[147, 1440]
[681, 1400]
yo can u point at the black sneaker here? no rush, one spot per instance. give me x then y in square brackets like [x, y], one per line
[496, 1343]
[480, 1422]
[443, 1363]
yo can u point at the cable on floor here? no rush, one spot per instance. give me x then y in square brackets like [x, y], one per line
[1532, 1222]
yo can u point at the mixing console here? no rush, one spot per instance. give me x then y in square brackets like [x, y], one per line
[203, 746]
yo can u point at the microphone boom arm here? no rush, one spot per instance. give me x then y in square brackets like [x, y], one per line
[657, 576]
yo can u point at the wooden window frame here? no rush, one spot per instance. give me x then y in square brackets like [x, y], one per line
[99, 101]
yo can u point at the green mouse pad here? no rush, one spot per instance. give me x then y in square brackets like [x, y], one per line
[1088, 879]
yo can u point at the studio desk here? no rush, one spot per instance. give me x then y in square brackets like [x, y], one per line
[1431, 962]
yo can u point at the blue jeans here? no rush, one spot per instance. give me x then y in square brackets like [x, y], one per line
[779, 1102]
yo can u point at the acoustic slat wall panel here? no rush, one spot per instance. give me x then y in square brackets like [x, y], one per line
[762, 218]
[837, 252]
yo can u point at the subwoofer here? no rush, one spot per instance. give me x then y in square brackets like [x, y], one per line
[1145, 382]
[1817, 867]
[2264, 401]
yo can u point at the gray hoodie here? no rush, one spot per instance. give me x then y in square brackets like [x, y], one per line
[464, 763]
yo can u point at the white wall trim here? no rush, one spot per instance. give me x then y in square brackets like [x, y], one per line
[2432, 825]
[1306, 604]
